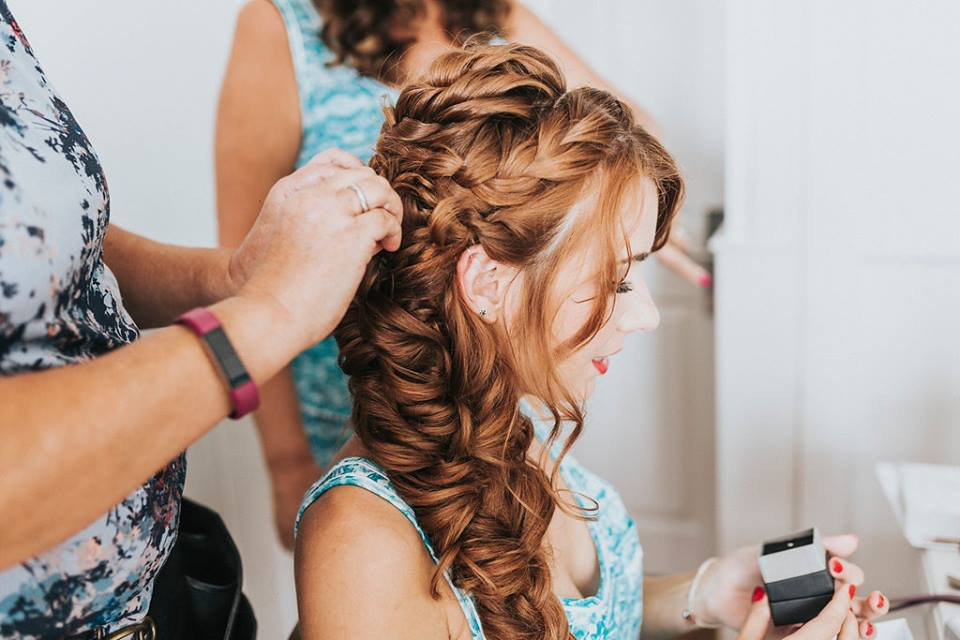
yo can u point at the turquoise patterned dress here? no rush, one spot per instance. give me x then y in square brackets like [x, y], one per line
[338, 108]
[614, 613]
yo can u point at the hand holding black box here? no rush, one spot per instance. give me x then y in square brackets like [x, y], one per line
[795, 575]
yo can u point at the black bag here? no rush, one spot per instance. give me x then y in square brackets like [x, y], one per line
[198, 592]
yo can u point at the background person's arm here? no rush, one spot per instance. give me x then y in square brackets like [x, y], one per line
[257, 142]
[160, 281]
[525, 26]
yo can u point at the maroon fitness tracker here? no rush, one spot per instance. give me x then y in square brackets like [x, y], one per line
[243, 390]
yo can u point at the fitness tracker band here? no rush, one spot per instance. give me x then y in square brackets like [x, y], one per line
[244, 394]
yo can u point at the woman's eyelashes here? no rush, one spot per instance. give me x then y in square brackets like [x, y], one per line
[623, 286]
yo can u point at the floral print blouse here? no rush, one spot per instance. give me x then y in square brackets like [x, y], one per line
[60, 305]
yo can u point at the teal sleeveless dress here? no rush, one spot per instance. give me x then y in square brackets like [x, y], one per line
[338, 108]
[615, 612]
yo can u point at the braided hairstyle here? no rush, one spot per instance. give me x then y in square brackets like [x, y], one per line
[371, 35]
[488, 147]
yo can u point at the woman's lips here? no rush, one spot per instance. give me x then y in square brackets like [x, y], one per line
[601, 364]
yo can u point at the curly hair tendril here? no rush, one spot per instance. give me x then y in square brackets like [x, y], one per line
[488, 147]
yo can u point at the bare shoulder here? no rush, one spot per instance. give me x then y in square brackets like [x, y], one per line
[261, 17]
[260, 86]
[262, 31]
[363, 572]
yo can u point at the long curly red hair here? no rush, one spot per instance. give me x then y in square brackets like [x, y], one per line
[488, 147]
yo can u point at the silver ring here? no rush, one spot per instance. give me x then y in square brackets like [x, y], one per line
[364, 206]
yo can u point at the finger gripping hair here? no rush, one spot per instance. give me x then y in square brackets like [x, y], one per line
[488, 147]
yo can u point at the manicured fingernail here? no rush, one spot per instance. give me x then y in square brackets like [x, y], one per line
[758, 594]
[705, 280]
[880, 601]
[837, 566]
[853, 590]
[869, 629]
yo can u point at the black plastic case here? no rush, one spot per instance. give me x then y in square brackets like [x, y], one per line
[795, 575]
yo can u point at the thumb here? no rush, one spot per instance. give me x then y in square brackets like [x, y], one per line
[758, 619]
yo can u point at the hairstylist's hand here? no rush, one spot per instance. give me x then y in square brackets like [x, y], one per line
[726, 588]
[836, 620]
[311, 243]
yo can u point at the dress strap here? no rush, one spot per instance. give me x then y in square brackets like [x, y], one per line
[366, 474]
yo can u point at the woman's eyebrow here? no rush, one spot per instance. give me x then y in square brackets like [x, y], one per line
[640, 257]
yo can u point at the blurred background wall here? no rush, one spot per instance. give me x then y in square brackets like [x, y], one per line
[838, 272]
[827, 130]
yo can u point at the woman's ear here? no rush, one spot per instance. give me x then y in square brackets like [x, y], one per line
[482, 283]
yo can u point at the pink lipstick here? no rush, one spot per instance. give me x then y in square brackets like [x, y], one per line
[601, 364]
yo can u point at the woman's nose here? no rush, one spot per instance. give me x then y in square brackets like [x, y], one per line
[639, 313]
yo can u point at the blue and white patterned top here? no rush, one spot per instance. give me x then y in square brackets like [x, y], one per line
[60, 305]
[614, 613]
[338, 108]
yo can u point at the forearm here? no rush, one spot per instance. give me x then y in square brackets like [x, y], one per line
[160, 281]
[76, 440]
[664, 599]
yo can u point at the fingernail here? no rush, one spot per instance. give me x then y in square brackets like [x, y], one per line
[837, 566]
[758, 594]
[853, 590]
[869, 629]
[880, 601]
[705, 280]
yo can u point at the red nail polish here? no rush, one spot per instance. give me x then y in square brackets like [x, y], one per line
[853, 590]
[758, 594]
[869, 629]
[837, 567]
[705, 280]
[880, 601]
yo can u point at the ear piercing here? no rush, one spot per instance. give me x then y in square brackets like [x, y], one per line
[483, 313]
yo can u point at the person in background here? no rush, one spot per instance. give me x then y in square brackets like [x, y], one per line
[94, 418]
[305, 75]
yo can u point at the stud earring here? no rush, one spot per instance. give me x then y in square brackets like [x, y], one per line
[483, 313]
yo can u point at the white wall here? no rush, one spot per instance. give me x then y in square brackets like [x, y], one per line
[142, 78]
[838, 296]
